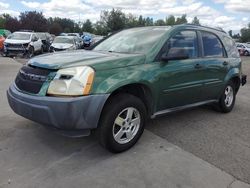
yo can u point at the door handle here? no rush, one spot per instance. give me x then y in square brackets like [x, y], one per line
[198, 66]
[225, 63]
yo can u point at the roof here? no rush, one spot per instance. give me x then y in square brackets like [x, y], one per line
[69, 37]
[24, 32]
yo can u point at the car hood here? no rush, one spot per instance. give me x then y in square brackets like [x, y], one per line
[11, 41]
[98, 60]
[61, 45]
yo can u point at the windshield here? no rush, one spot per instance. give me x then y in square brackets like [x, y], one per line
[63, 40]
[20, 36]
[139, 40]
[41, 36]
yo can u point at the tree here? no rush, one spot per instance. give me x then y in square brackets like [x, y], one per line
[87, 26]
[170, 20]
[100, 28]
[245, 34]
[149, 21]
[11, 23]
[182, 19]
[159, 22]
[114, 20]
[230, 32]
[141, 21]
[2, 22]
[33, 20]
[196, 21]
[55, 28]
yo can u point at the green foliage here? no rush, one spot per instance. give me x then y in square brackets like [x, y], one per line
[181, 20]
[114, 20]
[2, 22]
[245, 34]
[160, 22]
[170, 20]
[110, 21]
[196, 21]
[33, 20]
[87, 26]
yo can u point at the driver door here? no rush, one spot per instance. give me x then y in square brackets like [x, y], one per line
[181, 79]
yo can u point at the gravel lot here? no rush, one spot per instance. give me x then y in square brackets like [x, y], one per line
[220, 139]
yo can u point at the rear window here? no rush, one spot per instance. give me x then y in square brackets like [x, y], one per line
[230, 47]
[211, 45]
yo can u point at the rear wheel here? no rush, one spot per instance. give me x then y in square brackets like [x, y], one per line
[246, 53]
[122, 122]
[227, 99]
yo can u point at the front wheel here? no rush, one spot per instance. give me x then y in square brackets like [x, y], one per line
[122, 122]
[246, 53]
[227, 99]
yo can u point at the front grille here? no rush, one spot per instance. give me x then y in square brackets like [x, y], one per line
[30, 79]
[15, 45]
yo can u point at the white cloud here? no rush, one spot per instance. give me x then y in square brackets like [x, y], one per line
[89, 9]
[4, 9]
[4, 5]
[236, 5]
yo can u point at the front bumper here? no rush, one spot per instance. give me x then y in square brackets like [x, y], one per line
[79, 113]
[15, 51]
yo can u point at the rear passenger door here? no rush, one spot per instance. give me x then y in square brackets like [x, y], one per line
[181, 80]
[215, 63]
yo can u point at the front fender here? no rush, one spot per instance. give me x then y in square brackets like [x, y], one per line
[109, 81]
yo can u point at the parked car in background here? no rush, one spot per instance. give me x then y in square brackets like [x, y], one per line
[2, 39]
[87, 39]
[62, 43]
[243, 48]
[131, 76]
[5, 33]
[78, 39]
[97, 38]
[24, 43]
[46, 40]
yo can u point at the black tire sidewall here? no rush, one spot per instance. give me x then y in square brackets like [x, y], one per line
[31, 52]
[222, 104]
[110, 112]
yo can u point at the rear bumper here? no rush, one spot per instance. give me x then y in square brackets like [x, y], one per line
[79, 113]
[243, 79]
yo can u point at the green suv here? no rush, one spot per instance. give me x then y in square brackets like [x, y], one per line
[132, 75]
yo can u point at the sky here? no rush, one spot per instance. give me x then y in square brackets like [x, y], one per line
[228, 14]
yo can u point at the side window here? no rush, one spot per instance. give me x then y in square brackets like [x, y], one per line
[231, 48]
[211, 45]
[185, 41]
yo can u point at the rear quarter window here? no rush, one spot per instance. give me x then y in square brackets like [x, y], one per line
[230, 47]
[212, 45]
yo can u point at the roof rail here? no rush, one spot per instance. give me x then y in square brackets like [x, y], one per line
[214, 28]
[26, 30]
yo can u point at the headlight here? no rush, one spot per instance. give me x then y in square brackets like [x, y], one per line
[71, 48]
[74, 81]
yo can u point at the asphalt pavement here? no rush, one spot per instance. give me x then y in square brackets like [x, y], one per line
[194, 148]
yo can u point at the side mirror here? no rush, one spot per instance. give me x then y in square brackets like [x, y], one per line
[175, 54]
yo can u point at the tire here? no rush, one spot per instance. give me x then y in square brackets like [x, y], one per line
[128, 128]
[31, 52]
[42, 50]
[227, 99]
[246, 53]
